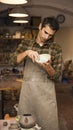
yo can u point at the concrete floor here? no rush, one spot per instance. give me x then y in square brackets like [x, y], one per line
[64, 95]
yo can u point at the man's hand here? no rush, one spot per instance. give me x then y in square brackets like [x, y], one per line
[32, 55]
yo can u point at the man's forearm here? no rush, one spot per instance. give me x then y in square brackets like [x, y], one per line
[21, 56]
[48, 68]
[30, 53]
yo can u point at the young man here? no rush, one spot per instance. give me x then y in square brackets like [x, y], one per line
[38, 89]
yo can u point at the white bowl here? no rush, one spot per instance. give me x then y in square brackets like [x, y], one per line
[43, 58]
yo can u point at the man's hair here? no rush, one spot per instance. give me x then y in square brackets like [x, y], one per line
[52, 22]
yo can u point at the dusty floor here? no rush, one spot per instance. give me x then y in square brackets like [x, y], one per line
[64, 94]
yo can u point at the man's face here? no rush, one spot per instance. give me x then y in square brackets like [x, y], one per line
[45, 33]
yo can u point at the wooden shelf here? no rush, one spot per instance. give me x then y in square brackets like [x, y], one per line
[7, 46]
[4, 38]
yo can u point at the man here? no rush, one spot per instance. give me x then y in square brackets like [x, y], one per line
[38, 89]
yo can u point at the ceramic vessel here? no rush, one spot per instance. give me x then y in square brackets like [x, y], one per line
[14, 126]
[43, 58]
[27, 121]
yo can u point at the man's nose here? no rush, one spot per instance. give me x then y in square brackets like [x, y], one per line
[47, 36]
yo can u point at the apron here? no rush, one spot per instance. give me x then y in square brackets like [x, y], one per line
[38, 97]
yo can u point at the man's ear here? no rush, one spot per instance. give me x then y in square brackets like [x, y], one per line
[40, 26]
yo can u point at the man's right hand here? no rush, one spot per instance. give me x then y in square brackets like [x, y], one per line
[32, 55]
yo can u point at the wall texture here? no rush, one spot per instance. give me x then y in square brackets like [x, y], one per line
[65, 37]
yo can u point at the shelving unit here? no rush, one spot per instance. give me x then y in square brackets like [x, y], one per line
[7, 46]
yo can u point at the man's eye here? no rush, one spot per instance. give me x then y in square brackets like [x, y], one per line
[48, 34]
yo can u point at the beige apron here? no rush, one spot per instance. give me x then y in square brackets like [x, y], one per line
[38, 97]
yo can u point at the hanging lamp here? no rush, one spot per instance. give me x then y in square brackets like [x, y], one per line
[14, 2]
[20, 20]
[18, 11]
